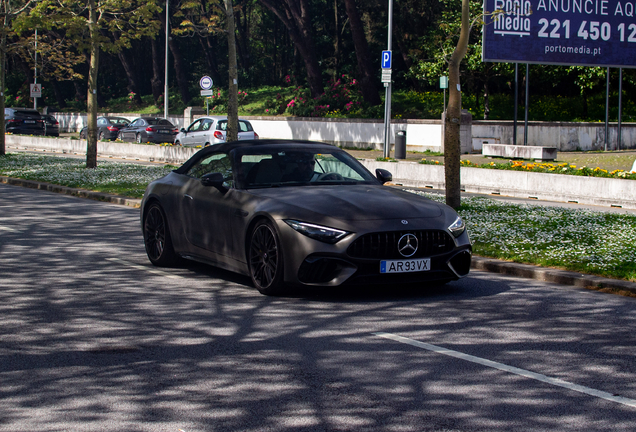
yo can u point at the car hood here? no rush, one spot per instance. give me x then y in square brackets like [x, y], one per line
[358, 202]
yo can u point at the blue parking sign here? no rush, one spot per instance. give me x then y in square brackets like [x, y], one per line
[386, 59]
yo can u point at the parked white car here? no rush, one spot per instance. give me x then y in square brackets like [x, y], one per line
[207, 131]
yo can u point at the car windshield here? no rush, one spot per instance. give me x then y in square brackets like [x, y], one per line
[259, 167]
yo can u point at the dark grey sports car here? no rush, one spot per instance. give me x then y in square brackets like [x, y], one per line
[301, 214]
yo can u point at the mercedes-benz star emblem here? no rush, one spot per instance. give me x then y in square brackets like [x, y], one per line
[407, 245]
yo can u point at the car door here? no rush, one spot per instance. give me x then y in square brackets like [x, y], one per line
[207, 132]
[190, 137]
[128, 134]
[206, 210]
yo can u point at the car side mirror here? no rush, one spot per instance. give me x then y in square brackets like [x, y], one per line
[183, 130]
[215, 180]
[383, 175]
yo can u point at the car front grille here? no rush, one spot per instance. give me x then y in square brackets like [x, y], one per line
[385, 245]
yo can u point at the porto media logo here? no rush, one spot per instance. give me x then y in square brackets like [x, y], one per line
[512, 17]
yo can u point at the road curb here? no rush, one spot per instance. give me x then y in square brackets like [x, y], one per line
[81, 193]
[527, 271]
[546, 274]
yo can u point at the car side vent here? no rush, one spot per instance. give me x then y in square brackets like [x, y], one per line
[384, 245]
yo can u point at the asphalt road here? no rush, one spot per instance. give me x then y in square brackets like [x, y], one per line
[93, 338]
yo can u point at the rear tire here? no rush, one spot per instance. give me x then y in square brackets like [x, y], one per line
[101, 136]
[139, 139]
[265, 259]
[157, 238]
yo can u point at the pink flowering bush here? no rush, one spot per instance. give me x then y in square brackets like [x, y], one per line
[341, 95]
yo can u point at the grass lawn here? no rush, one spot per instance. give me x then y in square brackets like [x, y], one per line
[585, 241]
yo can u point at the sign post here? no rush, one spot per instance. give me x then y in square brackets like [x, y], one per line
[443, 84]
[386, 79]
[206, 84]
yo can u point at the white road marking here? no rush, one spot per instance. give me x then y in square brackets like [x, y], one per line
[7, 229]
[144, 268]
[511, 369]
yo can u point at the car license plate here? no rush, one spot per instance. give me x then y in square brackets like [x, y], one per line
[30, 121]
[405, 266]
[164, 131]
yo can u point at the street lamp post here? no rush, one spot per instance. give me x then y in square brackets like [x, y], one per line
[35, 74]
[165, 89]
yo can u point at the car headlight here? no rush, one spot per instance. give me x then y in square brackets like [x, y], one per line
[457, 227]
[318, 232]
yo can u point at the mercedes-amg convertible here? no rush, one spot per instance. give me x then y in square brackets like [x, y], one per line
[297, 213]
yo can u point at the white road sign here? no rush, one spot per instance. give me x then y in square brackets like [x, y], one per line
[36, 90]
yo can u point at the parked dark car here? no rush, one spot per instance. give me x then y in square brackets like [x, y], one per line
[107, 128]
[303, 214]
[23, 121]
[149, 129]
[51, 125]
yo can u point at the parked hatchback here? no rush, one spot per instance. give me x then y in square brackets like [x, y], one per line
[206, 131]
[51, 125]
[149, 129]
[23, 121]
[107, 128]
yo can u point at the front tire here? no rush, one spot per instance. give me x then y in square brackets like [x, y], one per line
[157, 238]
[265, 258]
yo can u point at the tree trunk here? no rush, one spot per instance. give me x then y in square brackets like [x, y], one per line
[210, 59]
[453, 115]
[78, 90]
[243, 42]
[486, 100]
[59, 97]
[232, 104]
[91, 102]
[336, 39]
[130, 74]
[156, 82]
[295, 16]
[365, 68]
[3, 55]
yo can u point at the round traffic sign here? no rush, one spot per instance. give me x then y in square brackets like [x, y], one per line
[206, 83]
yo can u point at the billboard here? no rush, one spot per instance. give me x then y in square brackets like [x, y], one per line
[561, 32]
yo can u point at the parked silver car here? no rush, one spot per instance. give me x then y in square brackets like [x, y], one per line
[206, 131]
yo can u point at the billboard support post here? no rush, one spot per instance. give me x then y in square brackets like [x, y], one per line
[620, 106]
[606, 106]
[525, 127]
[514, 132]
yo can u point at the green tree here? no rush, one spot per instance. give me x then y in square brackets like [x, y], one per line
[95, 25]
[9, 11]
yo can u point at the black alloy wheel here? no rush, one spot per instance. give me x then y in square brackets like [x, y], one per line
[266, 259]
[157, 239]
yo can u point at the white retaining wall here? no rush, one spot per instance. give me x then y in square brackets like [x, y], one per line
[421, 135]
